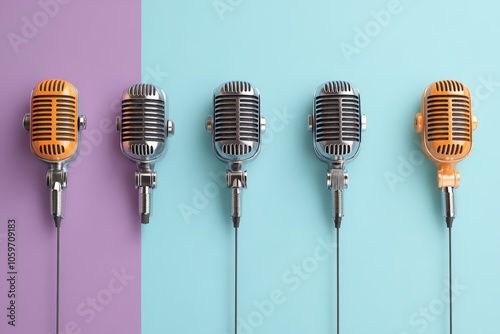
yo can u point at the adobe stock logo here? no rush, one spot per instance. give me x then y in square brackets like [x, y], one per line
[425, 317]
[292, 279]
[91, 308]
[31, 26]
[222, 7]
[371, 30]
[201, 198]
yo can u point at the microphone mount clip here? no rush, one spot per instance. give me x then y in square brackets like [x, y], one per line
[56, 179]
[337, 179]
[236, 179]
[145, 180]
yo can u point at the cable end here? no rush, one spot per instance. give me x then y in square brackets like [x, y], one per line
[57, 221]
[145, 218]
[338, 221]
[236, 222]
[449, 221]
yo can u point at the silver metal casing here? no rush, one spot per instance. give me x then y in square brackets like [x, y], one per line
[144, 129]
[236, 122]
[337, 122]
[143, 126]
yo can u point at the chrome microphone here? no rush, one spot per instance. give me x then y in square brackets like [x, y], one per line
[144, 129]
[236, 126]
[336, 125]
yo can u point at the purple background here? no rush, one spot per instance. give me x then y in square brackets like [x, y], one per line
[96, 45]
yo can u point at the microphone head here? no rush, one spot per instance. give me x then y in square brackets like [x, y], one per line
[446, 122]
[236, 124]
[143, 125]
[337, 122]
[53, 121]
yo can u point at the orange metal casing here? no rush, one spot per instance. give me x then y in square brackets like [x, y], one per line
[446, 123]
[54, 120]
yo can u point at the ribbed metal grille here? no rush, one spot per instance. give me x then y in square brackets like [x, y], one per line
[43, 118]
[337, 87]
[448, 114]
[236, 149]
[337, 118]
[236, 119]
[143, 119]
[236, 87]
[461, 118]
[338, 149]
[51, 86]
[66, 115]
[52, 149]
[142, 90]
[141, 149]
[450, 149]
[449, 86]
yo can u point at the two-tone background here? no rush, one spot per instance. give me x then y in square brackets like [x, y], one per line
[175, 275]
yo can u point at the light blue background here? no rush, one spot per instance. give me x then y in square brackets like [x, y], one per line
[393, 240]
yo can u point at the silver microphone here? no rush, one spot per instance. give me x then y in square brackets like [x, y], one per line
[144, 129]
[336, 125]
[236, 126]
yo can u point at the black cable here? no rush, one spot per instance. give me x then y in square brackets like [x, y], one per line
[450, 279]
[338, 281]
[57, 279]
[236, 280]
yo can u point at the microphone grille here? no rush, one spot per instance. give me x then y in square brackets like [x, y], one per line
[143, 117]
[236, 87]
[337, 121]
[338, 116]
[54, 119]
[44, 117]
[337, 87]
[237, 118]
[141, 149]
[51, 86]
[449, 119]
[142, 90]
[449, 86]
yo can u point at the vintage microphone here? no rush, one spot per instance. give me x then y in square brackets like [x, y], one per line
[236, 126]
[54, 127]
[336, 125]
[446, 122]
[144, 129]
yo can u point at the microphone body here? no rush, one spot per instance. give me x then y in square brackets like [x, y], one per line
[446, 122]
[144, 128]
[236, 126]
[54, 125]
[336, 125]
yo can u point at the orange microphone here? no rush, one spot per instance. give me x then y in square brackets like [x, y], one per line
[446, 122]
[54, 125]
